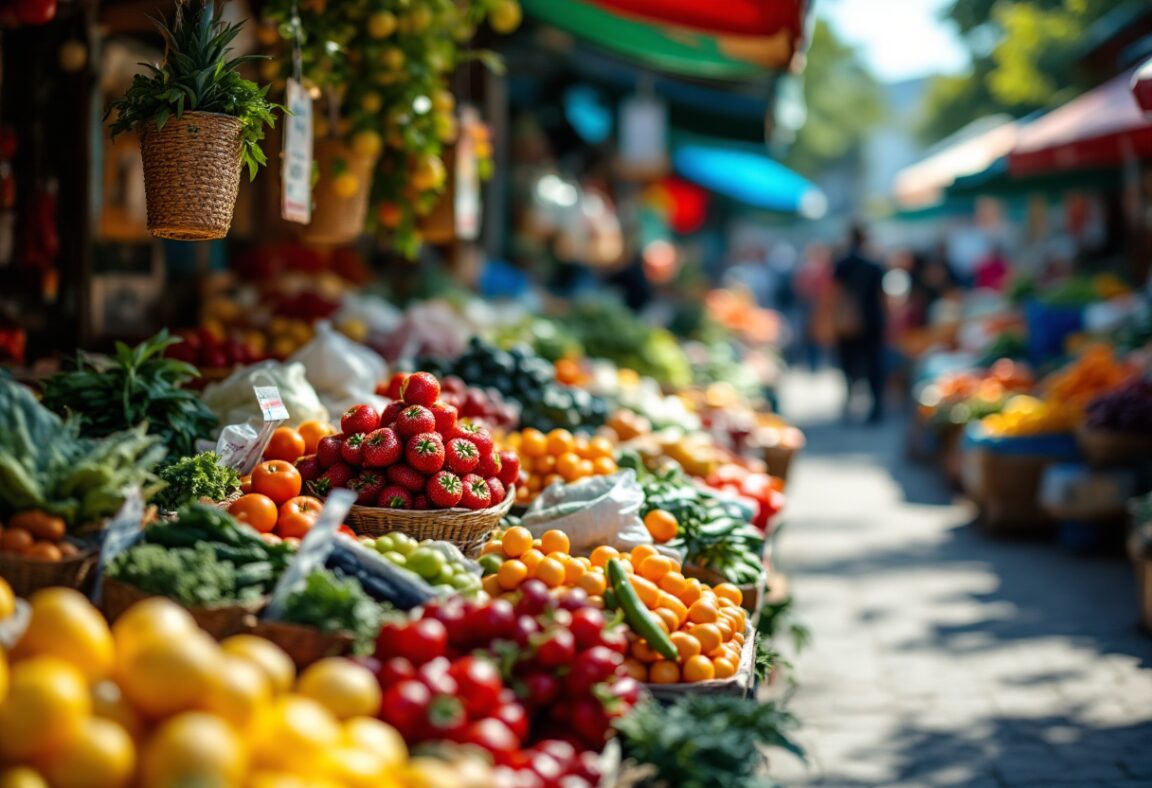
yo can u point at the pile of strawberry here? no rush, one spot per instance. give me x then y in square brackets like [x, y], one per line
[414, 455]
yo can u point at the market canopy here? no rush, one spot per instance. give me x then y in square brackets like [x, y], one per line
[1102, 128]
[749, 177]
[643, 31]
[970, 151]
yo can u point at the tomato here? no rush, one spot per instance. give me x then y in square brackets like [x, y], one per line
[590, 667]
[534, 598]
[446, 718]
[615, 639]
[589, 721]
[515, 717]
[423, 641]
[285, 444]
[298, 515]
[546, 767]
[526, 627]
[435, 677]
[541, 689]
[389, 637]
[347, 531]
[405, 708]
[559, 749]
[479, 685]
[627, 689]
[588, 627]
[259, 511]
[497, 620]
[394, 670]
[557, 649]
[493, 736]
[277, 479]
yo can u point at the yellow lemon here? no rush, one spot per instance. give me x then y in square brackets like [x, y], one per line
[109, 703]
[7, 599]
[65, 624]
[152, 617]
[294, 736]
[45, 708]
[427, 772]
[378, 738]
[356, 768]
[102, 753]
[193, 748]
[22, 777]
[341, 686]
[240, 694]
[164, 676]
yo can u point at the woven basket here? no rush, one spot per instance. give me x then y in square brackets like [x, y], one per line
[304, 644]
[191, 175]
[338, 219]
[1107, 447]
[26, 575]
[737, 686]
[468, 529]
[219, 621]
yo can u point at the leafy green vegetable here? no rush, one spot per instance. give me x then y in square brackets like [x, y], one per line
[333, 603]
[137, 385]
[706, 741]
[192, 576]
[198, 76]
[190, 479]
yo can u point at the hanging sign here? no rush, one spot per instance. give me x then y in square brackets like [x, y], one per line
[466, 207]
[296, 195]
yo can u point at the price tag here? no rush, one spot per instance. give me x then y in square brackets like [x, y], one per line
[123, 530]
[296, 175]
[314, 549]
[271, 405]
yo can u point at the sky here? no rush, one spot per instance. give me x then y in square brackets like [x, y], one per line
[899, 39]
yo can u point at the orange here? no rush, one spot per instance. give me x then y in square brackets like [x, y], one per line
[164, 675]
[661, 525]
[511, 574]
[272, 661]
[551, 572]
[533, 443]
[554, 541]
[726, 628]
[259, 511]
[668, 618]
[277, 479]
[647, 591]
[573, 571]
[16, 540]
[312, 431]
[568, 466]
[664, 672]
[531, 558]
[674, 583]
[517, 540]
[670, 602]
[346, 689]
[642, 551]
[703, 612]
[553, 478]
[240, 695]
[585, 561]
[193, 749]
[593, 583]
[687, 645]
[286, 444]
[46, 706]
[724, 667]
[580, 447]
[691, 592]
[643, 652]
[491, 585]
[65, 625]
[102, 753]
[599, 447]
[730, 592]
[604, 466]
[699, 668]
[636, 669]
[708, 635]
[492, 546]
[602, 553]
[544, 467]
[655, 567]
[585, 469]
[560, 441]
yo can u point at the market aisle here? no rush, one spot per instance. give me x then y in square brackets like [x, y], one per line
[940, 656]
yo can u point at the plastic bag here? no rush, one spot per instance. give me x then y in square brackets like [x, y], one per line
[344, 373]
[232, 401]
[593, 511]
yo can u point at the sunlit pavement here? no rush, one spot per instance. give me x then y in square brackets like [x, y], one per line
[941, 656]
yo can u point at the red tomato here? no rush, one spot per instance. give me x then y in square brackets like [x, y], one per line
[405, 708]
[298, 515]
[478, 683]
[259, 511]
[493, 736]
[277, 479]
[515, 717]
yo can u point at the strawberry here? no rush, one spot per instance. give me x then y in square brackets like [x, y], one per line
[394, 497]
[425, 452]
[478, 435]
[309, 467]
[407, 477]
[413, 420]
[328, 450]
[445, 415]
[371, 483]
[382, 447]
[352, 451]
[395, 385]
[476, 494]
[461, 455]
[420, 388]
[421, 502]
[496, 491]
[489, 465]
[357, 486]
[359, 418]
[338, 475]
[391, 411]
[445, 489]
[509, 468]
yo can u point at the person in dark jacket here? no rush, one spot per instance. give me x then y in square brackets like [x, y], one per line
[860, 319]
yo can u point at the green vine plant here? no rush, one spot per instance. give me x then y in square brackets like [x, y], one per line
[197, 75]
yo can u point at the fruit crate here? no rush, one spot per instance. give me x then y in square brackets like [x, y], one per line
[739, 685]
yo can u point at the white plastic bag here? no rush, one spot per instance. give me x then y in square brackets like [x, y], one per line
[344, 373]
[593, 511]
[233, 403]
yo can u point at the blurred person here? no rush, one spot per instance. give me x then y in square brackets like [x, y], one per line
[859, 321]
[932, 279]
[812, 284]
[992, 270]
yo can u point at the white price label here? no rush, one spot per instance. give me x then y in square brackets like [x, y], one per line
[314, 549]
[296, 175]
[271, 405]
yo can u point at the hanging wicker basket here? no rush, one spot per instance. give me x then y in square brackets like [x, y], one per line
[337, 216]
[191, 175]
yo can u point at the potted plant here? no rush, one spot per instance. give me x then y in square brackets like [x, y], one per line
[199, 123]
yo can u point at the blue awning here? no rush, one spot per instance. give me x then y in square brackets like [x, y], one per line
[749, 177]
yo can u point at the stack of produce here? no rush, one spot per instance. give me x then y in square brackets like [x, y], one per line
[558, 456]
[273, 504]
[1127, 408]
[960, 397]
[445, 572]
[154, 701]
[1024, 415]
[1094, 372]
[198, 478]
[484, 406]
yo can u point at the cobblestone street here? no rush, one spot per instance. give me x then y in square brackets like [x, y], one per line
[941, 656]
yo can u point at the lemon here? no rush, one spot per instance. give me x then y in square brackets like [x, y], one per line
[378, 738]
[346, 185]
[102, 753]
[46, 706]
[295, 735]
[64, 624]
[7, 599]
[155, 616]
[356, 768]
[341, 686]
[382, 24]
[163, 676]
[22, 777]
[428, 772]
[109, 703]
[193, 748]
[240, 694]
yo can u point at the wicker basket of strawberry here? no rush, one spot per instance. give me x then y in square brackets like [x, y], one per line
[416, 469]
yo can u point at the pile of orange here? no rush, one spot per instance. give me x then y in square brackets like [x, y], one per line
[36, 534]
[557, 456]
[707, 624]
[290, 444]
